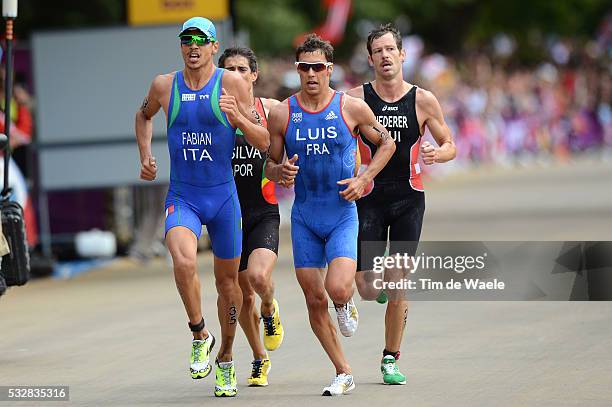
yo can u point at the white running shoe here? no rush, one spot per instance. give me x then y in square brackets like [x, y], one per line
[348, 318]
[342, 384]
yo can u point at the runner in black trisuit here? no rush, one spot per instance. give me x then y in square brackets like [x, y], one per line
[395, 204]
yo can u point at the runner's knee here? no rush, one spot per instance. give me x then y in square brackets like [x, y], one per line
[259, 281]
[339, 294]
[398, 303]
[367, 293]
[226, 285]
[366, 288]
[184, 266]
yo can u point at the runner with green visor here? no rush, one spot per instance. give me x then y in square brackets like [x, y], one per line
[204, 107]
[204, 25]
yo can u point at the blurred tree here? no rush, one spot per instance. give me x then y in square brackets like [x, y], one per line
[531, 21]
[449, 26]
[273, 24]
[45, 14]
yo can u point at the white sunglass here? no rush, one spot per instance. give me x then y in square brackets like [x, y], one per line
[316, 66]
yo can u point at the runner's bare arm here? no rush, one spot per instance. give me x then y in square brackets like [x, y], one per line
[236, 102]
[144, 128]
[276, 170]
[376, 133]
[269, 104]
[365, 121]
[429, 108]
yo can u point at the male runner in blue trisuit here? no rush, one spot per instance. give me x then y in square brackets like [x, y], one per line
[318, 128]
[204, 105]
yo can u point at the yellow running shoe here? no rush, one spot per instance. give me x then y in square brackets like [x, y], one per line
[273, 329]
[259, 374]
[225, 383]
[200, 357]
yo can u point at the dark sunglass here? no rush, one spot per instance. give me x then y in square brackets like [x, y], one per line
[315, 66]
[198, 39]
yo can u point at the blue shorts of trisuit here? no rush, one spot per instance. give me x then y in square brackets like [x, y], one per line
[217, 207]
[320, 237]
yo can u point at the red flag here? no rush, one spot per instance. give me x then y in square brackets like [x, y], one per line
[333, 28]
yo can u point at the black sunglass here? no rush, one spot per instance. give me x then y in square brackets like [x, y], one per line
[316, 66]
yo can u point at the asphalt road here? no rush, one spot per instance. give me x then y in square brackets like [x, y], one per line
[118, 336]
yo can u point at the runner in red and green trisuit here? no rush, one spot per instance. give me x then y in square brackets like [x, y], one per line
[260, 223]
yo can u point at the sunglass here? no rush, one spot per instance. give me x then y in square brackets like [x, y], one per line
[198, 39]
[315, 66]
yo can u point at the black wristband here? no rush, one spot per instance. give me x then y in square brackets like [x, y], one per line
[197, 327]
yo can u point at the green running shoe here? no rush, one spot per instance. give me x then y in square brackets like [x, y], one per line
[225, 383]
[390, 371]
[200, 357]
[382, 297]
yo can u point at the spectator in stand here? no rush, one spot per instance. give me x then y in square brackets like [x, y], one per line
[20, 135]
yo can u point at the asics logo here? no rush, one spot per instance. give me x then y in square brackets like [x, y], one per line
[331, 115]
[390, 108]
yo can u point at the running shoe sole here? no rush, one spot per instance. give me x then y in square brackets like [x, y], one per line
[226, 393]
[394, 384]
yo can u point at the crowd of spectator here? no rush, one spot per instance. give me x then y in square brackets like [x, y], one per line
[499, 112]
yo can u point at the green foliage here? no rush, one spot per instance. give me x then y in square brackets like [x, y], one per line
[273, 24]
[450, 26]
